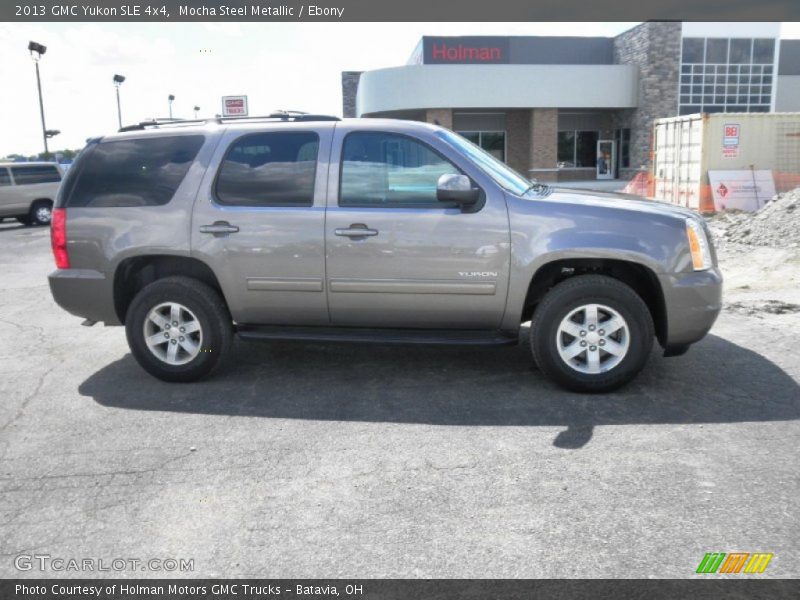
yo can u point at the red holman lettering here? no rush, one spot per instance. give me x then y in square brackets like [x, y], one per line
[465, 53]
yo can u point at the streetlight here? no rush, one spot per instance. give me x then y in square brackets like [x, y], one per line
[196, 108]
[170, 98]
[37, 50]
[118, 79]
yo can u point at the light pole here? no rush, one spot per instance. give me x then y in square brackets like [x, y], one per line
[196, 108]
[118, 79]
[37, 50]
[170, 98]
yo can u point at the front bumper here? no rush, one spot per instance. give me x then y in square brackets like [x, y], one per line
[692, 301]
[84, 293]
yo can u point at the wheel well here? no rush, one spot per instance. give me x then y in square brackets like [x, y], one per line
[135, 273]
[640, 278]
[48, 200]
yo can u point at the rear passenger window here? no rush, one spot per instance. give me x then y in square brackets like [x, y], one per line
[139, 172]
[5, 178]
[269, 169]
[35, 174]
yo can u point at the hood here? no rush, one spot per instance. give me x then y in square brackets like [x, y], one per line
[620, 201]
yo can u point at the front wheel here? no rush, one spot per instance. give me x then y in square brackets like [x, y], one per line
[591, 333]
[178, 329]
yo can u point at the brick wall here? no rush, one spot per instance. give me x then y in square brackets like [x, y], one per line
[518, 139]
[544, 143]
[655, 47]
[349, 90]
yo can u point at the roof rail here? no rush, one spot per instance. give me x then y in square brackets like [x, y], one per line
[281, 115]
[158, 123]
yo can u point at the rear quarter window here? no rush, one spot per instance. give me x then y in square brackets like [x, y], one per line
[269, 169]
[5, 178]
[137, 172]
[35, 174]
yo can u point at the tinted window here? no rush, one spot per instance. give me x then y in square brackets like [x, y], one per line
[741, 51]
[270, 169]
[35, 174]
[5, 178]
[717, 51]
[763, 51]
[693, 50]
[383, 169]
[139, 172]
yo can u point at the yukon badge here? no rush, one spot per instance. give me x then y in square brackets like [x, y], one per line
[478, 273]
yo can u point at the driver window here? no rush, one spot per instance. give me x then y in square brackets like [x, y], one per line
[390, 170]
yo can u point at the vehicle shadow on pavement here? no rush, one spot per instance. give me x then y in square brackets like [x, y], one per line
[716, 382]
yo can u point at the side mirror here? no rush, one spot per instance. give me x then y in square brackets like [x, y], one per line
[457, 188]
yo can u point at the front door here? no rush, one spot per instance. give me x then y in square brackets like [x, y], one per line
[396, 257]
[605, 159]
[259, 223]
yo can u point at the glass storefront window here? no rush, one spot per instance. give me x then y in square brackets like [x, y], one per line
[577, 149]
[586, 148]
[494, 142]
[566, 149]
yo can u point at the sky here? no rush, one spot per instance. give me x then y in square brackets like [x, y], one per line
[295, 66]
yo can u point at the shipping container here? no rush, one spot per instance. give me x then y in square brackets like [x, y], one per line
[686, 148]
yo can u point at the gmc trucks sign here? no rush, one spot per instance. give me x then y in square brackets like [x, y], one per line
[234, 106]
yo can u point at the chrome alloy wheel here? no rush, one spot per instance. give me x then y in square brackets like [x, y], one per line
[173, 333]
[593, 339]
[43, 214]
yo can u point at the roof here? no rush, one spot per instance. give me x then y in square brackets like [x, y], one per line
[39, 163]
[256, 124]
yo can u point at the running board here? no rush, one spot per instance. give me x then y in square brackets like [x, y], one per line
[383, 336]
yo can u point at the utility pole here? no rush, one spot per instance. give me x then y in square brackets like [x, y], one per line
[37, 50]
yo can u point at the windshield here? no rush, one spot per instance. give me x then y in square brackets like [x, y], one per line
[503, 175]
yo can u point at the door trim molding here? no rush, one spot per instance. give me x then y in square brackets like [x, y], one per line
[413, 286]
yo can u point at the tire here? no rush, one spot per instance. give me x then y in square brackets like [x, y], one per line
[25, 220]
[604, 362]
[41, 213]
[202, 311]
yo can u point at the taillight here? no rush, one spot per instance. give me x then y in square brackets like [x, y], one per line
[58, 237]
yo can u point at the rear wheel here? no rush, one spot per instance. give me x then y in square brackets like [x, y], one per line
[25, 220]
[179, 329]
[591, 333]
[41, 213]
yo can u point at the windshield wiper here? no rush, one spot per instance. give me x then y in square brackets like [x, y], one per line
[539, 188]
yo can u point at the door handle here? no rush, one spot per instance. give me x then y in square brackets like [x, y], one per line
[219, 228]
[356, 230]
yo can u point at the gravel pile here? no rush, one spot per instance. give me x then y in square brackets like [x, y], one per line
[776, 224]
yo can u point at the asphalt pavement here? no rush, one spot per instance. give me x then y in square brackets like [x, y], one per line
[341, 460]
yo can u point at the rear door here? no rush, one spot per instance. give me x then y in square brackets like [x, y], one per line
[6, 193]
[396, 257]
[258, 222]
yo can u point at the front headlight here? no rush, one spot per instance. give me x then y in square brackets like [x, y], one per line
[698, 245]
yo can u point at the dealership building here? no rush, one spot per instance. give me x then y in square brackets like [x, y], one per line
[577, 108]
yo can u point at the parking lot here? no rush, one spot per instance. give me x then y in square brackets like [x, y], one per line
[336, 460]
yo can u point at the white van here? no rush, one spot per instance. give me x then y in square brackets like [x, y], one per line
[28, 191]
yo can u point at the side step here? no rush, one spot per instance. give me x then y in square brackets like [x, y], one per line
[383, 336]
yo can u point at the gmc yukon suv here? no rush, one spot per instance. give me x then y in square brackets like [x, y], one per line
[314, 228]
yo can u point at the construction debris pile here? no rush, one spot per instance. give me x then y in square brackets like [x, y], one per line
[776, 224]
